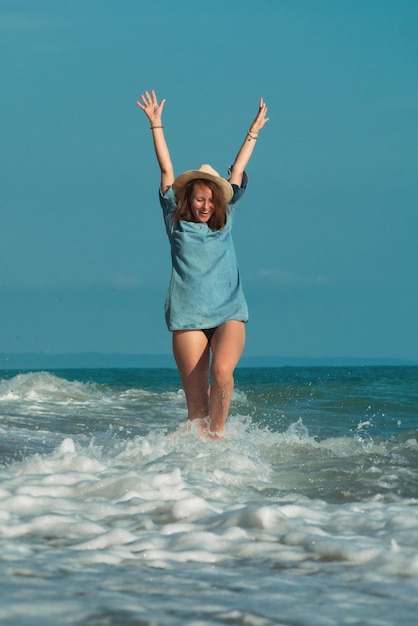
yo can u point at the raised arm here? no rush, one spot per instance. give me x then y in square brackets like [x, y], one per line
[247, 147]
[154, 111]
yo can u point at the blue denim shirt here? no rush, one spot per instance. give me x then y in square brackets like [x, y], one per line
[205, 287]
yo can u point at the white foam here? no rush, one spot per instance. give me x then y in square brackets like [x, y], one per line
[118, 537]
[237, 514]
[67, 446]
[190, 508]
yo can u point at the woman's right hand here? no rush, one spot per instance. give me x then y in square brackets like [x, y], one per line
[150, 106]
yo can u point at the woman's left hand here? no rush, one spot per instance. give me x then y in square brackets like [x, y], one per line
[150, 106]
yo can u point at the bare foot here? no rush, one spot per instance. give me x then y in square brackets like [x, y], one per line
[211, 435]
[202, 428]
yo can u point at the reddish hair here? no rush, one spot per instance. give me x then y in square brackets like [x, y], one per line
[184, 210]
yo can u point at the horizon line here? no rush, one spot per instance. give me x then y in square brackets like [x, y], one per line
[122, 360]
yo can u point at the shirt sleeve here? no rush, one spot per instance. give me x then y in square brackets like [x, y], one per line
[168, 205]
[239, 191]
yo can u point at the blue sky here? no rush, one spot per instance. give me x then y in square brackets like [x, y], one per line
[327, 233]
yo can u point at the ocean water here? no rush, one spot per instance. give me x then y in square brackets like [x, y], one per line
[114, 512]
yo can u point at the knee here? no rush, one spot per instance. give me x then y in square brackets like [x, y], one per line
[222, 374]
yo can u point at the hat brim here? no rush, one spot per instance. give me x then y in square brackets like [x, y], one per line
[182, 180]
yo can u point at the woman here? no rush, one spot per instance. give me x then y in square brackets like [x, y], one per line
[205, 307]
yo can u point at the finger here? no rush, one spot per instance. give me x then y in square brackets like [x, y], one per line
[146, 98]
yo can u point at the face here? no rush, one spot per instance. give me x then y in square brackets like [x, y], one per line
[202, 203]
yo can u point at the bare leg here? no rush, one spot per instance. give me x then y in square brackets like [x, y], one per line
[227, 346]
[191, 353]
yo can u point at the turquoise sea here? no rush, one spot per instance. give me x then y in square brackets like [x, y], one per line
[114, 512]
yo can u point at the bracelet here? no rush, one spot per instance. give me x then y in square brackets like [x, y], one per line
[161, 126]
[251, 137]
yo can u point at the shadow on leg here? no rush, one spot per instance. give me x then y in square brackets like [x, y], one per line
[192, 355]
[227, 346]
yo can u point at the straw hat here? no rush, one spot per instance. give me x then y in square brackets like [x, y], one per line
[205, 172]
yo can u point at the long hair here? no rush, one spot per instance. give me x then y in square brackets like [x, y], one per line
[184, 211]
